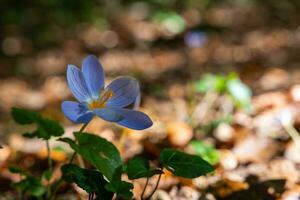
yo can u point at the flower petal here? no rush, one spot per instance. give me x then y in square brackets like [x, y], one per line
[85, 118]
[76, 112]
[125, 117]
[93, 75]
[125, 91]
[137, 102]
[77, 84]
[134, 119]
[108, 114]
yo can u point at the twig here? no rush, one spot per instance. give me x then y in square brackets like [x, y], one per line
[146, 184]
[203, 108]
[292, 132]
[156, 186]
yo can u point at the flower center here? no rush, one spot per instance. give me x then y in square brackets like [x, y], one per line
[104, 96]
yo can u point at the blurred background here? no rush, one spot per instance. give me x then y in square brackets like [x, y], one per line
[219, 78]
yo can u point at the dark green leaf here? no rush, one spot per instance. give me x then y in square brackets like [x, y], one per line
[51, 127]
[138, 167]
[32, 186]
[22, 116]
[45, 127]
[91, 181]
[17, 170]
[30, 135]
[121, 188]
[184, 165]
[47, 174]
[98, 151]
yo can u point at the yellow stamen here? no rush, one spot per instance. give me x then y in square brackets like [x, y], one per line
[101, 101]
[96, 104]
[106, 95]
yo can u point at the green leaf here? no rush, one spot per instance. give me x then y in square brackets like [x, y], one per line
[184, 165]
[51, 127]
[206, 152]
[211, 82]
[240, 93]
[220, 83]
[45, 127]
[91, 181]
[164, 19]
[17, 170]
[98, 151]
[32, 186]
[205, 84]
[30, 135]
[48, 174]
[59, 149]
[121, 188]
[139, 167]
[22, 116]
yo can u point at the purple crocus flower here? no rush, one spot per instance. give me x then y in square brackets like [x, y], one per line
[108, 103]
[195, 39]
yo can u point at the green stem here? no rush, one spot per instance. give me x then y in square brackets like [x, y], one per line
[20, 195]
[75, 153]
[20, 192]
[49, 155]
[58, 184]
[203, 108]
[72, 157]
[156, 186]
[146, 184]
[49, 167]
[60, 181]
[83, 127]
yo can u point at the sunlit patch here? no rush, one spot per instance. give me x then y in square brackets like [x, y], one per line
[104, 96]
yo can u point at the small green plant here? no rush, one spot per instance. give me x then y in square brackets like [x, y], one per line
[230, 85]
[104, 179]
[221, 95]
[29, 185]
[205, 151]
